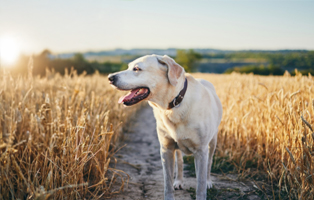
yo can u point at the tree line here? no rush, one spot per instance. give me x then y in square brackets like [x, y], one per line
[43, 61]
[277, 62]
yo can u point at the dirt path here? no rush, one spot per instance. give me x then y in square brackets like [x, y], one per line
[141, 160]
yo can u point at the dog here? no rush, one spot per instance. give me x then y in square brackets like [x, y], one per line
[187, 111]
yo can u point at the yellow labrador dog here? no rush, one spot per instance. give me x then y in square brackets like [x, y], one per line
[187, 110]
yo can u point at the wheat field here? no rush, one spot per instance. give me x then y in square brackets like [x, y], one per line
[267, 130]
[58, 136]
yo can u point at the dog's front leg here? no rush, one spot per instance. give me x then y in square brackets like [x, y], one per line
[201, 159]
[167, 159]
[178, 183]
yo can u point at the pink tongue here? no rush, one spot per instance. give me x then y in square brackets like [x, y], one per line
[128, 96]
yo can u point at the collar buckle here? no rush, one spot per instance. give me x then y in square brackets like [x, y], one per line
[174, 103]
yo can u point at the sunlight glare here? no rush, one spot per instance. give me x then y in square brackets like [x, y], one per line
[9, 50]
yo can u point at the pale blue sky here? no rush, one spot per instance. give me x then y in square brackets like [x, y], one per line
[76, 25]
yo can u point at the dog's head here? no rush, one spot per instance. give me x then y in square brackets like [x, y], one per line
[151, 77]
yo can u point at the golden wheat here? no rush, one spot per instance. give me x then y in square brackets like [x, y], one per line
[57, 136]
[268, 120]
[58, 133]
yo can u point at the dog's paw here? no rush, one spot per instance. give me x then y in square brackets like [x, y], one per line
[178, 185]
[209, 184]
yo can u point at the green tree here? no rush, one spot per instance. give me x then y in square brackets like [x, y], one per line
[188, 59]
[81, 65]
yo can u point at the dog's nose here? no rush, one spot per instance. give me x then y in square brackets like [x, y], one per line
[112, 78]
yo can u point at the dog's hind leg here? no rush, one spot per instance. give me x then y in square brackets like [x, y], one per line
[212, 147]
[178, 182]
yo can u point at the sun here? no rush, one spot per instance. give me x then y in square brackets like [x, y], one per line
[9, 50]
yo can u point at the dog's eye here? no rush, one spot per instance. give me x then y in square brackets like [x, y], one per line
[136, 69]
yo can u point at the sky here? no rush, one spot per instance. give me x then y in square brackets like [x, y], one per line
[77, 25]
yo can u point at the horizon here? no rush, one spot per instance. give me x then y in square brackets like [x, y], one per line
[129, 49]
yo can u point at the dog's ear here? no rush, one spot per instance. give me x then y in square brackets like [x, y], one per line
[175, 71]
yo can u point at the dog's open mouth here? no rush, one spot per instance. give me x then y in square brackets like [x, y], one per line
[134, 96]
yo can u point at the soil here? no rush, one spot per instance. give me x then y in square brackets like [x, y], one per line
[140, 159]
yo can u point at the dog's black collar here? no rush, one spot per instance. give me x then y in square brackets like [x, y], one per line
[177, 100]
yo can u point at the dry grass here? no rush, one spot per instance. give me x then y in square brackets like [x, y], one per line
[57, 136]
[266, 129]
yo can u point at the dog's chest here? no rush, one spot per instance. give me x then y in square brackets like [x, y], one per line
[186, 137]
[172, 125]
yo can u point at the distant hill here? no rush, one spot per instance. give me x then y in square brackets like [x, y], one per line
[171, 52]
